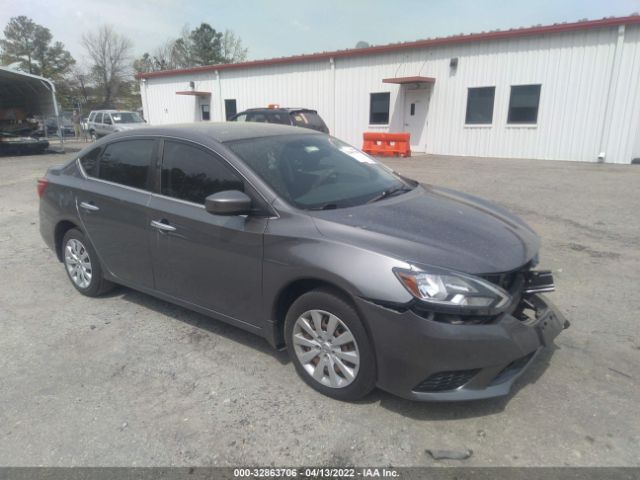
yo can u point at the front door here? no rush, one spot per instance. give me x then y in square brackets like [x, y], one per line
[416, 104]
[211, 261]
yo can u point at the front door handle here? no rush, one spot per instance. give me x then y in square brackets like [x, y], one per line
[160, 225]
[89, 206]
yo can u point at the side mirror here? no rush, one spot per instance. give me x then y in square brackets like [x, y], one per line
[228, 202]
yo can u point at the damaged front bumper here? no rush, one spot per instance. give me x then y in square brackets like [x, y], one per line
[422, 359]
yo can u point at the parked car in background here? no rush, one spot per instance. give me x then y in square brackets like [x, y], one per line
[12, 144]
[298, 117]
[63, 123]
[104, 122]
[367, 277]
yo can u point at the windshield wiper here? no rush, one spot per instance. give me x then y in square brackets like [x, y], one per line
[389, 192]
[326, 206]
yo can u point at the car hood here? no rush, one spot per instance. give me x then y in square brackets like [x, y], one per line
[435, 226]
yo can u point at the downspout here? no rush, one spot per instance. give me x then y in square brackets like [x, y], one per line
[332, 66]
[220, 106]
[145, 107]
[611, 91]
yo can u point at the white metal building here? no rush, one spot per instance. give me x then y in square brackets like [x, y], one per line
[567, 91]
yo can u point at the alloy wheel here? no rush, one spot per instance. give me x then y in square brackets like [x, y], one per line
[78, 263]
[326, 348]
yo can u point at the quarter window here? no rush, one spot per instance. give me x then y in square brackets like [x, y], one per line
[379, 108]
[480, 105]
[192, 174]
[523, 104]
[127, 162]
[90, 162]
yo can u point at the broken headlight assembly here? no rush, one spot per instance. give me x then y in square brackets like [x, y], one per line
[448, 291]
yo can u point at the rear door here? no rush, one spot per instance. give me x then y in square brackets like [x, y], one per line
[211, 261]
[113, 207]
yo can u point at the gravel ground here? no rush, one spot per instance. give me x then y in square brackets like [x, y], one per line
[128, 380]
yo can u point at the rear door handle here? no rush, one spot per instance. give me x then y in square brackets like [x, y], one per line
[89, 206]
[160, 225]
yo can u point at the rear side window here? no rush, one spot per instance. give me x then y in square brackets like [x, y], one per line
[192, 174]
[241, 118]
[308, 120]
[98, 118]
[90, 162]
[127, 163]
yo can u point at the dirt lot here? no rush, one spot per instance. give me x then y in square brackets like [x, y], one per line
[129, 380]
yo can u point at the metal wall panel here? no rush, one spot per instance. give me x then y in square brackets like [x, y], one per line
[576, 69]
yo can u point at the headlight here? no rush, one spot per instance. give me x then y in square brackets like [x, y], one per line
[451, 289]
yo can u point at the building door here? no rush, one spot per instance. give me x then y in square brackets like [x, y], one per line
[416, 104]
[204, 112]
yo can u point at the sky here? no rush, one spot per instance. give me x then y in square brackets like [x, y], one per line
[276, 28]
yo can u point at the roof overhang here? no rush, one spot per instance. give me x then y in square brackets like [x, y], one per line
[406, 80]
[194, 93]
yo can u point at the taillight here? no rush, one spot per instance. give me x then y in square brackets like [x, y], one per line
[42, 185]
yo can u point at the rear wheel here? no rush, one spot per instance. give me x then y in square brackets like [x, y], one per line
[329, 346]
[82, 265]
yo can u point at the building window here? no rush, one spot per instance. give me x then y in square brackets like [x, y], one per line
[379, 108]
[523, 104]
[230, 108]
[480, 106]
[204, 109]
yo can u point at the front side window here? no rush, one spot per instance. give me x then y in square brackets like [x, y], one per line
[480, 106]
[523, 104]
[90, 162]
[127, 162]
[379, 108]
[192, 174]
[107, 119]
[315, 172]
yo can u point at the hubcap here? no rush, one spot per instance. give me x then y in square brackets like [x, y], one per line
[326, 348]
[78, 263]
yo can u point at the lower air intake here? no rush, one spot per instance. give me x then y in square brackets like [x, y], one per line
[443, 381]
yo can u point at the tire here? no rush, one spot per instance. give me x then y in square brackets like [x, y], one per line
[328, 370]
[76, 249]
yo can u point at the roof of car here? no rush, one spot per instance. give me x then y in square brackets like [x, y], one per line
[225, 131]
[280, 109]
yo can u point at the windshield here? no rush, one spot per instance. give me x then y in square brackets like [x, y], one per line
[126, 117]
[317, 171]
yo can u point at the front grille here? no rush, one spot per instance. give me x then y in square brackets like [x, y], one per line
[503, 280]
[512, 369]
[443, 381]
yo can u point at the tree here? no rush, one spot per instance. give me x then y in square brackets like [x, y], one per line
[110, 54]
[162, 58]
[27, 44]
[232, 49]
[362, 44]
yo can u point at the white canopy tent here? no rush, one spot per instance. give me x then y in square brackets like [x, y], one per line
[25, 95]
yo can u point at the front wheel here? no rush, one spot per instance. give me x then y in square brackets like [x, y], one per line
[82, 265]
[329, 346]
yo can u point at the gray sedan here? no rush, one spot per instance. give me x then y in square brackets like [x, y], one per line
[366, 277]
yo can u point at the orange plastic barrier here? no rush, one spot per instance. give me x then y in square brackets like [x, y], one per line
[387, 144]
